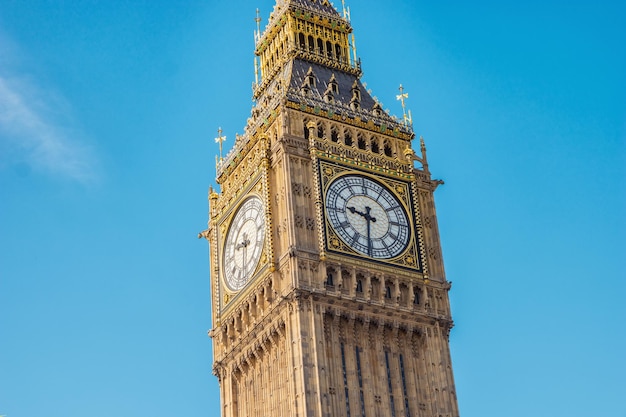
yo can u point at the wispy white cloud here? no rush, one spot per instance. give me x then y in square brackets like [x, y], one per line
[34, 129]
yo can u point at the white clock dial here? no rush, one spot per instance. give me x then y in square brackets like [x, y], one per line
[367, 217]
[244, 243]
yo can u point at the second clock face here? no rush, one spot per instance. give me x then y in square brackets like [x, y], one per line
[244, 243]
[367, 216]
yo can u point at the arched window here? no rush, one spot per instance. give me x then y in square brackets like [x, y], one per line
[338, 52]
[375, 147]
[348, 139]
[311, 43]
[329, 49]
[361, 142]
[320, 131]
[330, 278]
[320, 46]
[306, 130]
[334, 136]
[310, 78]
[301, 41]
[388, 151]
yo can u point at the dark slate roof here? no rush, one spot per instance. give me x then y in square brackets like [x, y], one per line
[323, 75]
[341, 104]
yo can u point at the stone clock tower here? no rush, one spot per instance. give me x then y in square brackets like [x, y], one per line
[328, 288]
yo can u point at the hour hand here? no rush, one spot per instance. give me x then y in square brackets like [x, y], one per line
[367, 216]
[243, 244]
[355, 211]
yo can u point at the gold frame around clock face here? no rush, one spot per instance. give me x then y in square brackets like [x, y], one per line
[244, 242]
[396, 216]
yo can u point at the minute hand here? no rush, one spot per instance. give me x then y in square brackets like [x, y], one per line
[368, 219]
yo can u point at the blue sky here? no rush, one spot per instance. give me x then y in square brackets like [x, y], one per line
[108, 112]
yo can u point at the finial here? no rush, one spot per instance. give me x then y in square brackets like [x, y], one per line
[408, 119]
[424, 157]
[220, 139]
[257, 39]
[257, 19]
[354, 49]
[213, 195]
[346, 11]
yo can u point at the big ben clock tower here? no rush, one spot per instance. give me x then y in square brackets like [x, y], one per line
[328, 289]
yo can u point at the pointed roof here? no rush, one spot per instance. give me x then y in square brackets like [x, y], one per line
[369, 109]
[320, 6]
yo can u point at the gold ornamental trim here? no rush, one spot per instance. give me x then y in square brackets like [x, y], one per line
[411, 257]
[370, 125]
[257, 187]
[363, 165]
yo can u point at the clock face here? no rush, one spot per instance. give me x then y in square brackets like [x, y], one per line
[244, 243]
[367, 217]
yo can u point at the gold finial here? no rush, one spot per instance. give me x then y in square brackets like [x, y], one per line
[257, 39]
[408, 119]
[346, 11]
[257, 19]
[220, 139]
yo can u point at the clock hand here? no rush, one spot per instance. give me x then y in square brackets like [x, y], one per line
[367, 215]
[353, 211]
[368, 220]
[245, 242]
[244, 245]
[243, 263]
